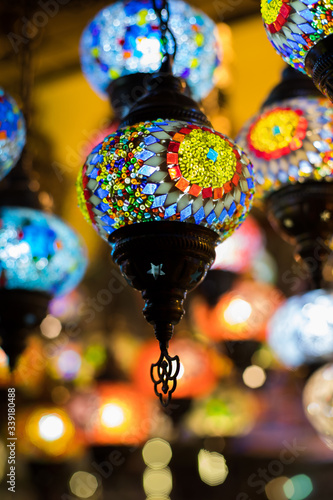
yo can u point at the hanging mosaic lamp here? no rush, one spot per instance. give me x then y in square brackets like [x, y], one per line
[318, 402]
[12, 133]
[291, 144]
[123, 44]
[40, 257]
[301, 330]
[300, 31]
[164, 190]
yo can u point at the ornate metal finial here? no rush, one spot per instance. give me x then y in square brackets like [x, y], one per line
[164, 375]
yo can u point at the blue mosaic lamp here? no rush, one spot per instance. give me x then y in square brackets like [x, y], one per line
[40, 257]
[12, 133]
[124, 39]
[39, 252]
[301, 331]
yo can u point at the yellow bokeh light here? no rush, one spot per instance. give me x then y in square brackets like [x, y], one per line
[237, 312]
[83, 484]
[157, 453]
[50, 327]
[112, 415]
[212, 467]
[157, 482]
[254, 376]
[274, 489]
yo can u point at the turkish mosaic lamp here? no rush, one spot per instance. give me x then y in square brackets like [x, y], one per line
[301, 32]
[301, 331]
[40, 257]
[290, 141]
[12, 133]
[122, 45]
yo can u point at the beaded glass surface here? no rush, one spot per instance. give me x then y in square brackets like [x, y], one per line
[124, 38]
[293, 27]
[166, 170]
[289, 143]
[302, 329]
[39, 252]
[12, 133]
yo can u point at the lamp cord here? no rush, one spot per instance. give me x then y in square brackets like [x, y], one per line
[163, 14]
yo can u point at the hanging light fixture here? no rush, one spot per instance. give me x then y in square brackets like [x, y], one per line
[301, 330]
[40, 257]
[123, 44]
[12, 133]
[290, 142]
[301, 32]
[318, 402]
[164, 190]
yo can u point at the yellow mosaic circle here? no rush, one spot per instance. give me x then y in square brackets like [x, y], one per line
[270, 10]
[274, 131]
[206, 159]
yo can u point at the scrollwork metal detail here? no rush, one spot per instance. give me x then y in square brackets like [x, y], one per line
[164, 375]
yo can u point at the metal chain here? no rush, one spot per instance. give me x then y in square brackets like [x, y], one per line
[163, 14]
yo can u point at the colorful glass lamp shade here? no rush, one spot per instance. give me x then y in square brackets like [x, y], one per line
[12, 133]
[163, 190]
[124, 39]
[290, 143]
[301, 331]
[300, 31]
[163, 193]
[318, 402]
[40, 257]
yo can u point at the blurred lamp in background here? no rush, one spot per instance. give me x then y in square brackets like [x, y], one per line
[12, 133]
[113, 413]
[40, 257]
[301, 331]
[241, 314]
[291, 144]
[125, 39]
[318, 402]
[301, 32]
[230, 411]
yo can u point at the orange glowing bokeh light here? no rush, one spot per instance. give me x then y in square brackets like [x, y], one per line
[119, 415]
[241, 314]
[47, 432]
[199, 367]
